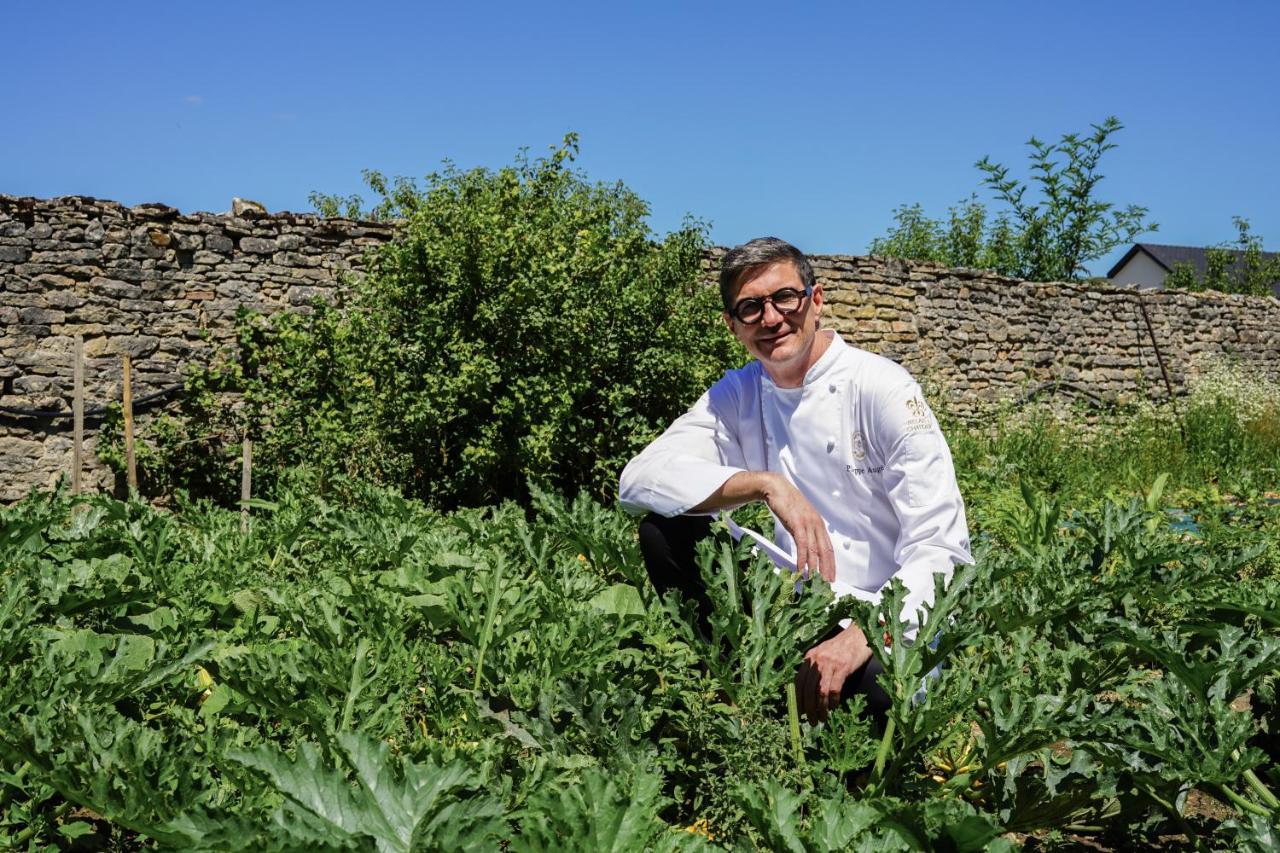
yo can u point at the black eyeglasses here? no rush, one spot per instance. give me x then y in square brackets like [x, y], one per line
[785, 301]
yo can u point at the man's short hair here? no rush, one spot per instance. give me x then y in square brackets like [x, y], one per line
[757, 253]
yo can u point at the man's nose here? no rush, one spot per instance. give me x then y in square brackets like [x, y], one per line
[777, 315]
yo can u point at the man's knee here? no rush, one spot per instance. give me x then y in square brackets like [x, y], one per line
[669, 547]
[653, 539]
[672, 539]
[865, 682]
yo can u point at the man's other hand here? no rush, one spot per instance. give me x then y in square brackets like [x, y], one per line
[814, 552]
[826, 666]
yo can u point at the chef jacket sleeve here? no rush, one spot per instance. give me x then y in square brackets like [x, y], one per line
[683, 466]
[921, 483]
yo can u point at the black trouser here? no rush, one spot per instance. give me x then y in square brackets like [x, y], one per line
[669, 546]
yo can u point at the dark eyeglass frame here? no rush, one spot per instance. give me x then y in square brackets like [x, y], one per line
[758, 303]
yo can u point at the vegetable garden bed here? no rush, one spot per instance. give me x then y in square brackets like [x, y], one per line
[368, 674]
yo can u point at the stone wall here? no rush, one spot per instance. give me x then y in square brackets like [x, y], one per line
[164, 288]
[147, 281]
[976, 337]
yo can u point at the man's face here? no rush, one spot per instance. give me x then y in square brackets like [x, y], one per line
[780, 341]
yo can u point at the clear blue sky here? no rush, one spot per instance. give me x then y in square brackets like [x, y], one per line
[811, 121]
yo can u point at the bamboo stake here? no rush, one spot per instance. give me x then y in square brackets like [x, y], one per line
[77, 414]
[131, 467]
[246, 481]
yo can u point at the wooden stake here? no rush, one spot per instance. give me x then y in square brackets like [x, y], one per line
[246, 481]
[77, 414]
[1168, 386]
[131, 465]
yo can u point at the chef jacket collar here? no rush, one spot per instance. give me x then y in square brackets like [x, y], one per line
[820, 367]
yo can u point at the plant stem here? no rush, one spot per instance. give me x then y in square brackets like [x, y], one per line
[793, 715]
[1173, 812]
[1243, 803]
[882, 754]
[357, 683]
[7, 791]
[27, 834]
[1260, 788]
[490, 620]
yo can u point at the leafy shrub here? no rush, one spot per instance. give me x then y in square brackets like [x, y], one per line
[523, 326]
[1239, 267]
[1047, 238]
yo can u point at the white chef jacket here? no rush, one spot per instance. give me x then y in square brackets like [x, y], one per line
[858, 441]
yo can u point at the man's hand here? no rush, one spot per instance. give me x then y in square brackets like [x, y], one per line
[825, 668]
[813, 544]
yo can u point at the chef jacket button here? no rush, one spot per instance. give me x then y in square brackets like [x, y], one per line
[832, 387]
[835, 493]
[846, 543]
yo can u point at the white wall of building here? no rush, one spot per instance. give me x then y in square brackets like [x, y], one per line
[1142, 271]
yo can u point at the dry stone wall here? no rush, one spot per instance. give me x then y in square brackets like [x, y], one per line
[976, 337]
[147, 281]
[164, 288]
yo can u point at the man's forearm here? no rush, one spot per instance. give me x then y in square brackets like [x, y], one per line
[741, 488]
[813, 551]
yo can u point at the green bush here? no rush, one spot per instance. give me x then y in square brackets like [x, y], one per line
[1048, 236]
[1239, 267]
[524, 326]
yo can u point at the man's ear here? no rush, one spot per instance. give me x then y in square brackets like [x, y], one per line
[818, 301]
[728, 321]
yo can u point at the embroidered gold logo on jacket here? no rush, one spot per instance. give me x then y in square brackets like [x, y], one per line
[919, 419]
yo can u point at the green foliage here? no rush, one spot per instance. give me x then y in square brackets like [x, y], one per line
[965, 239]
[1239, 267]
[1224, 435]
[360, 671]
[1051, 238]
[523, 327]
[368, 673]
[399, 805]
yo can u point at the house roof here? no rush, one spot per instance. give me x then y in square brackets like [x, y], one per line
[1167, 256]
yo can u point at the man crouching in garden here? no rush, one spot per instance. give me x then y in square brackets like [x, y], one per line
[837, 441]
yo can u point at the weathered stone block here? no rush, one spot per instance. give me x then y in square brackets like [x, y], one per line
[40, 316]
[18, 454]
[219, 243]
[136, 346]
[257, 246]
[32, 384]
[147, 251]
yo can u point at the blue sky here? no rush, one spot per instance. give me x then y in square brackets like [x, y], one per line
[811, 121]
